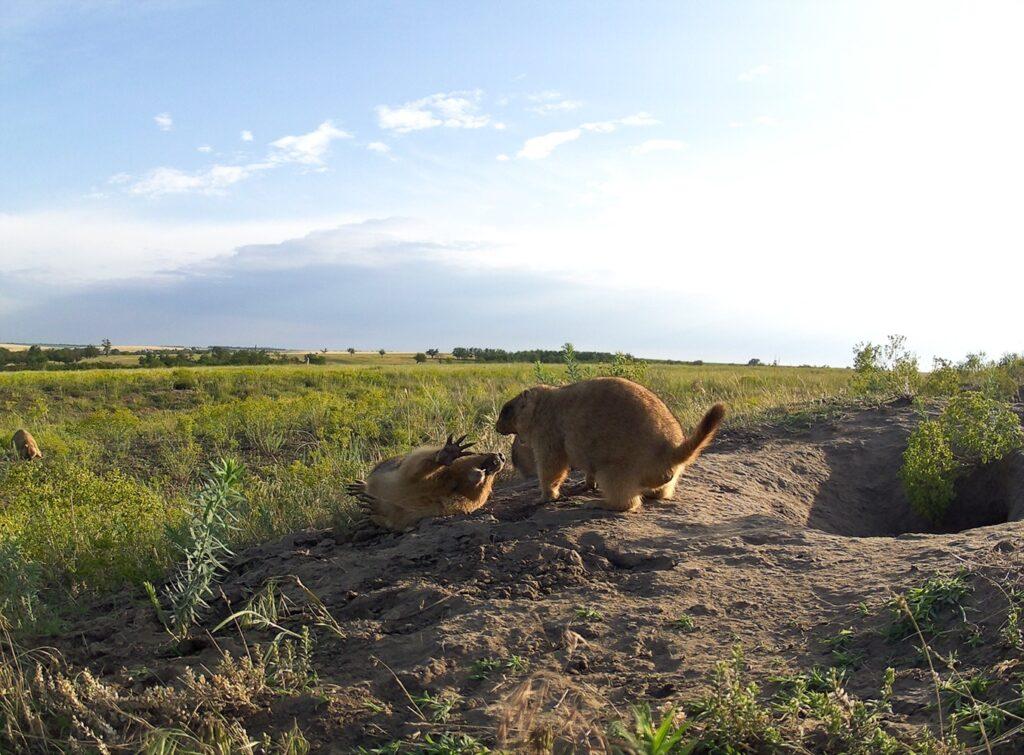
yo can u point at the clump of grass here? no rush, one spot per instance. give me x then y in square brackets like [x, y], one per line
[684, 623]
[587, 613]
[47, 707]
[437, 707]
[731, 716]
[922, 607]
[667, 735]
[484, 668]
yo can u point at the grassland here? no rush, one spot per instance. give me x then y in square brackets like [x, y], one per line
[123, 450]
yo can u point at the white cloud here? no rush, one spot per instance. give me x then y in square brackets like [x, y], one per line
[164, 121]
[307, 149]
[539, 147]
[451, 110]
[639, 119]
[754, 73]
[658, 145]
[246, 136]
[561, 106]
[552, 101]
[502, 158]
[205, 148]
[212, 180]
[378, 147]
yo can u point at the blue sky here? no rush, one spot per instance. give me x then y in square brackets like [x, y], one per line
[692, 180]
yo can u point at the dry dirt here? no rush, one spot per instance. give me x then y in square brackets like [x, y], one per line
[776, 541]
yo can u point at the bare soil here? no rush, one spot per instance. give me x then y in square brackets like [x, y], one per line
[778, 539]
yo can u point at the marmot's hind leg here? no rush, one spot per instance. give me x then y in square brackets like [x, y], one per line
[665, 492]
[617, 493]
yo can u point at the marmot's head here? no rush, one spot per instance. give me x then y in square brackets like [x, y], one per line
[478, 467]
[513, 413]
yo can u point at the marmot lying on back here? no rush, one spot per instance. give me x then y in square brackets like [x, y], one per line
[25, 446]
[614, 430]
[429, 481]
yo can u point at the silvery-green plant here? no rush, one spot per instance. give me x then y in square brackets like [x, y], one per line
[212, 517]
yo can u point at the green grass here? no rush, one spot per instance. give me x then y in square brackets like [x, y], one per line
[124, 450]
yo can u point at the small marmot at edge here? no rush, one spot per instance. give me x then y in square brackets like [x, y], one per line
[617, 432]
[25, 446]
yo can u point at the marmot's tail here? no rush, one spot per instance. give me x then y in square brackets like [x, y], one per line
[702, 435]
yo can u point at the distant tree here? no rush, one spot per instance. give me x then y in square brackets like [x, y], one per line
[315, 359]
[460, 352]
[433, 353]
[754, 363]
[381, 352]
[35, 356]
[350, 350]
[323, 350]
[105, 343]
[420, 358]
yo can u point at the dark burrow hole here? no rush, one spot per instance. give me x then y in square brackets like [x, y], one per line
[863, 496]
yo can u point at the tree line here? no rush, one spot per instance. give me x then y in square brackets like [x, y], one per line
[544, 356]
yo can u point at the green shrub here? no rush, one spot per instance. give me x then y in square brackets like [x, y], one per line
[888, 371]
[973, 429]
[943, 380]
[183, 380]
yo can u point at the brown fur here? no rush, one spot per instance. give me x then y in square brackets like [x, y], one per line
[429, 481]
[522, 458]
[526, 465]
[612, 429]
[25, 445]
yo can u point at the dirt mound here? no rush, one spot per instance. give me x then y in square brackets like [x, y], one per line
[775, 542]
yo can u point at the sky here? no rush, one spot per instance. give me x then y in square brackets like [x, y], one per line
[687, 180]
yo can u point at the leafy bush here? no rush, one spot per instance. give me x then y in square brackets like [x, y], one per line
[973, 429]
[183, 380]
[943, 380]
[888, 370]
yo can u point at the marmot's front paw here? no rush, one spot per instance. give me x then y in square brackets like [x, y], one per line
[453, 449]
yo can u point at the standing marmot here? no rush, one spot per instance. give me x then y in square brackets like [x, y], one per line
[429, 481]
[612, 429]
[25, 445]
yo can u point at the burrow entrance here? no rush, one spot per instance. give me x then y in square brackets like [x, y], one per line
[843, 478]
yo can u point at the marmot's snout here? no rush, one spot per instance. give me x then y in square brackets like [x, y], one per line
[493, 463]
